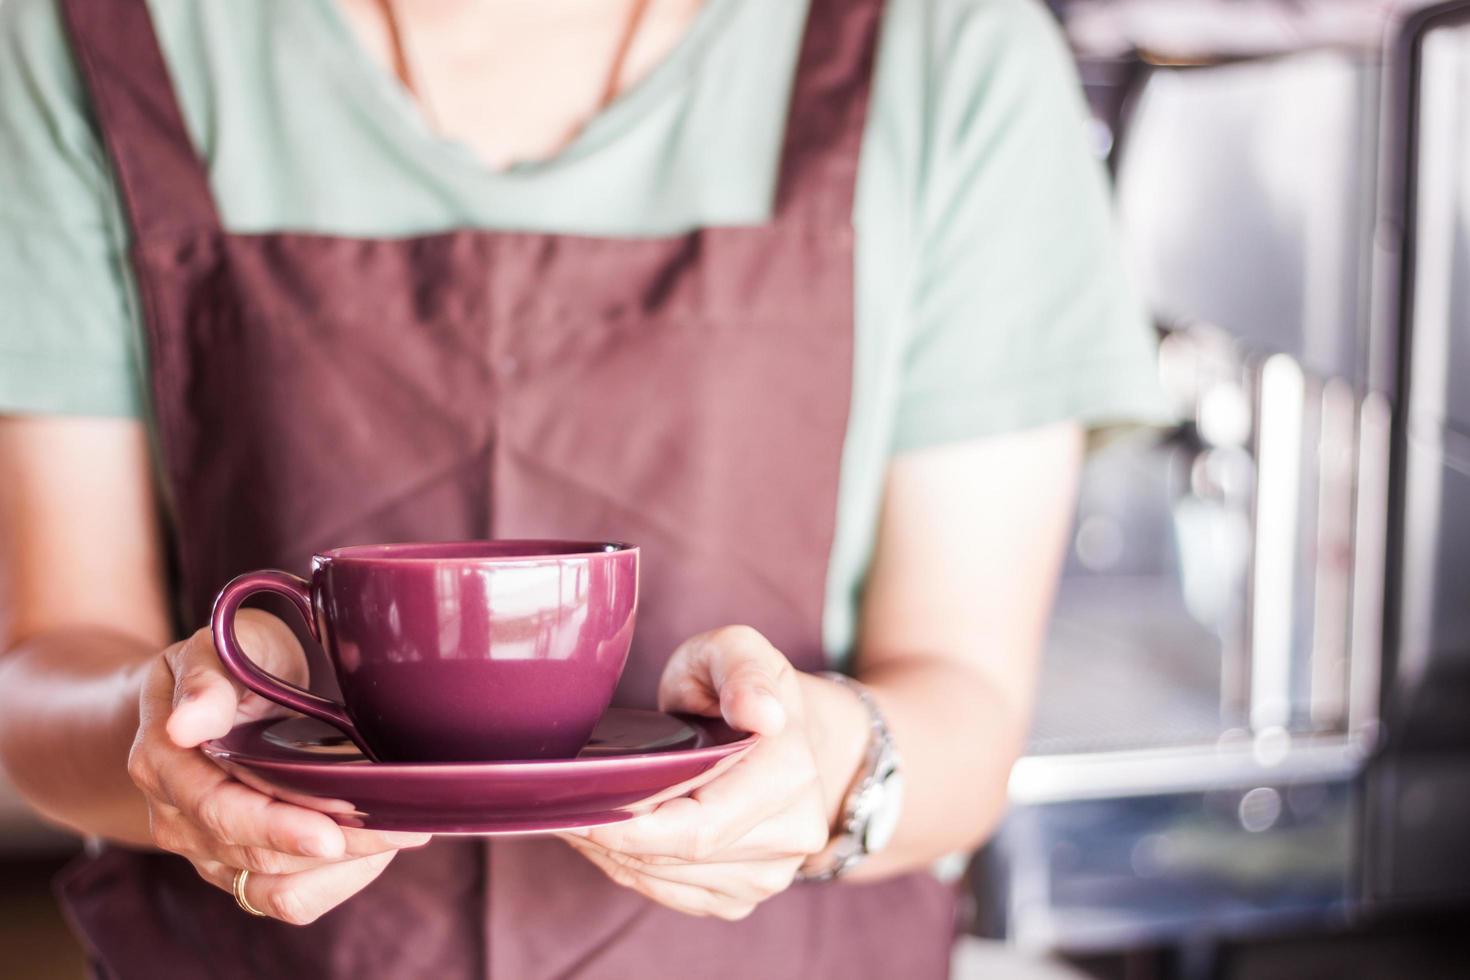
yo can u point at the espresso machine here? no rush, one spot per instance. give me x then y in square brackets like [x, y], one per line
[1255, 706]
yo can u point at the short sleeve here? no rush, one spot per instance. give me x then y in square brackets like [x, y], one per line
[1021, 313]
[67, 336]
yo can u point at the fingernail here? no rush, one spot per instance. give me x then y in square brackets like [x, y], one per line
[402, 838]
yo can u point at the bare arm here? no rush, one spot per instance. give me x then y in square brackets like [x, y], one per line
[81, 616]
[953, 622]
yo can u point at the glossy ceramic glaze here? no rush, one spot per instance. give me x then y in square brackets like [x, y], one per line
[634, 760]
[461, 651]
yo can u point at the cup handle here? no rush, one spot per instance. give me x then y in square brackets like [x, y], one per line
[262, 682]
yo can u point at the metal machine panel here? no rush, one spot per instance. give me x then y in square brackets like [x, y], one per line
[1429, 686]
[1122, 872]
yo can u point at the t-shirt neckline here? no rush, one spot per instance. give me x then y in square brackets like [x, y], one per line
[389, 96]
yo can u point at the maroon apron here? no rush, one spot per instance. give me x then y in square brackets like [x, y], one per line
[687, 393]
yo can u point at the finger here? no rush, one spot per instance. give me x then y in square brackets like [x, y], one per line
[206, 697]
[362, 843]
[777, 777]
[229, 811]
[182, 837]
[740, 881]
[235, 814]
[734, 670]
[303, 897]
[253, 819]
[689, 899]
[796, 832]
[173, 832]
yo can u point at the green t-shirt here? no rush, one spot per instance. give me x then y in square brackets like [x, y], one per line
[989, 295]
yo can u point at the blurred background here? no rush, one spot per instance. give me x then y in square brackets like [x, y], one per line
[1251, 756]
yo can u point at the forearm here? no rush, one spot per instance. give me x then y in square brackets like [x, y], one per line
[68, 715]
[957, 737]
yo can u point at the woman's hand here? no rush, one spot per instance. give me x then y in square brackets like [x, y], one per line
[302, 863]
[740, 838]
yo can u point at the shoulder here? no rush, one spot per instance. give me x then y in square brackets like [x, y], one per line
[31, 34]
[43, 115]
[957, 74]
[970, 88]
[973, 35]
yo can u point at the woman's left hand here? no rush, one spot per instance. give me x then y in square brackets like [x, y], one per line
[741, 837]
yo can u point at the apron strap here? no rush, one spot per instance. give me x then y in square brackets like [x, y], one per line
[160, 175]
[829, 107]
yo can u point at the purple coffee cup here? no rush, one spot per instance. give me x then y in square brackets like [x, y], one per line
[453, 652]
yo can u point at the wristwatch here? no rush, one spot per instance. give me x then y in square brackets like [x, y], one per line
[871, 811]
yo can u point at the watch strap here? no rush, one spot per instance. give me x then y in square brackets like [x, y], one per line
[846, 846]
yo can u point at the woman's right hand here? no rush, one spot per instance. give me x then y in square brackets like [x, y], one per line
[301, 862]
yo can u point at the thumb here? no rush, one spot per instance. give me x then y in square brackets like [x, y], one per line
[736, 671]
[205, 698]
[749, 703]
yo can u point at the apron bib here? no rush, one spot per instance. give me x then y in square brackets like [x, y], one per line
[687, 393]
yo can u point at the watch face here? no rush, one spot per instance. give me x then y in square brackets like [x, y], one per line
[883, 819]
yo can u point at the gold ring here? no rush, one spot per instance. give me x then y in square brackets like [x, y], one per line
[242, 876]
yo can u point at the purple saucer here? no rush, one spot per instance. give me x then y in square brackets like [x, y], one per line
[635, 760]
